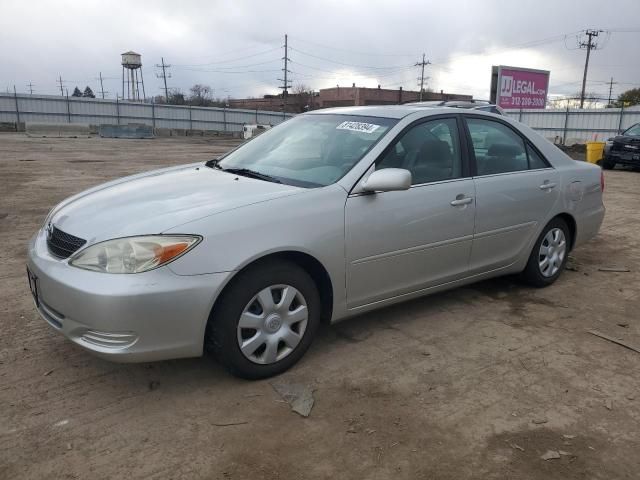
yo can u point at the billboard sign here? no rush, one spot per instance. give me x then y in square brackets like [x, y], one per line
[514, 87]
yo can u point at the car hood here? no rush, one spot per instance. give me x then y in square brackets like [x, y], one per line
[627, 139]
[159, 200]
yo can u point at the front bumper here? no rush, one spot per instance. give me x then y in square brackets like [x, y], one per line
[156, 315]
[624, 158]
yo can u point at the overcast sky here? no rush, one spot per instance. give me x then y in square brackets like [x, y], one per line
[235, 46]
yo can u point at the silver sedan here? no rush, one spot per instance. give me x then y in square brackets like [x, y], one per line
[330, 214]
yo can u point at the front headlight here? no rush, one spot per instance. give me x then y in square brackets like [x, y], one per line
[134, 254]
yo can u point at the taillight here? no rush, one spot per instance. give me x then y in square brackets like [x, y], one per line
[602, 181]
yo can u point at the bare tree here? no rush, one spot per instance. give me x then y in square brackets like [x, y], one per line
[628, 98]
[176, 97]
[591, 100]
[302, 97]
[201, 95]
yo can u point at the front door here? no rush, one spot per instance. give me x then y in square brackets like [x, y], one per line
[401, 242]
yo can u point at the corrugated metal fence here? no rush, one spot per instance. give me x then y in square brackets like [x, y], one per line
[53, 109]
[574, 125]
[563, 125]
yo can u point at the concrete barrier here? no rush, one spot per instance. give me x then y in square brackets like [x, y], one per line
[132, 130]
[162, 132]
[57, 130]
[8, 127]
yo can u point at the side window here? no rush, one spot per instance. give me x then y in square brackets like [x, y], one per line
[535, 161]
[497, 148]
[430, 151]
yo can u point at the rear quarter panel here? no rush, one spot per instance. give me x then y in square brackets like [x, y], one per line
[580, 191]
[582, 198]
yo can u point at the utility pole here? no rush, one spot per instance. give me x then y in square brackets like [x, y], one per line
[422, 64]
[101, 86]
[285, 86]
[30, 85]
[589, 45]
[164, 75]
[611, 83]
[60, 82]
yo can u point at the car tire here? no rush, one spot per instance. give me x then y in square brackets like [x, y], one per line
[608, 164]
[241, 305]
[539, 274]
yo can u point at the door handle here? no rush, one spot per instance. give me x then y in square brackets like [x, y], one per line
[461, 201]
[547, 186]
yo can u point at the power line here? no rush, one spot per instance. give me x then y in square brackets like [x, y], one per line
[61, 85]
[163, 75]
[227, 71]
[589, 45]
[610, 90]
[352, 51]
[531, 43]
[101, 86]
[285, 86]
[223, 68]
[352, 65]
[230, 60]
[623, 30]
[422, 64]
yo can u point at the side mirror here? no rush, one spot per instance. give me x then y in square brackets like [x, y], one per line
[388, 180]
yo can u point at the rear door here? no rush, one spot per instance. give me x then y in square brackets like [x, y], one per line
[516, 189]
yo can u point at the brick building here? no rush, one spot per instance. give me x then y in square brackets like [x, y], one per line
[296, 103]
[341, 97]
[349, 96]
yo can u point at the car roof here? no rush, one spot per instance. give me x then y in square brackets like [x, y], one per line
[383, 111]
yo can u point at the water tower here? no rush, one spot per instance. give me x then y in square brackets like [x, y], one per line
[131, 69]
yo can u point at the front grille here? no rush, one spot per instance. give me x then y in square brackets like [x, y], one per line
[61, 244]
[620, 146]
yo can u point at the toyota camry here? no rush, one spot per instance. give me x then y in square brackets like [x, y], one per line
[330, 214]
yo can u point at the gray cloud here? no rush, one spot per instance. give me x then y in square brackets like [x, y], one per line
[234, 45]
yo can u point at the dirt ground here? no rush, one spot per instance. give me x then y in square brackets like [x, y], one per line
[478, 382]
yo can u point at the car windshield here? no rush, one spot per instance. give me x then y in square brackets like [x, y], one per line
[308, 150]
[635, 130]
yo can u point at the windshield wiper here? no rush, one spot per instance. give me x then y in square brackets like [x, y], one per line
[245, 172]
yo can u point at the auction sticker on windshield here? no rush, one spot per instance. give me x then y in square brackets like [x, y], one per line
[358, 127]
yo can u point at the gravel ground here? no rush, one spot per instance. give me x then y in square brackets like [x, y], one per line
[479, 382]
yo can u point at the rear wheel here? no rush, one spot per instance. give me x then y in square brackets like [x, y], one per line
[265, 320]
[549, 254]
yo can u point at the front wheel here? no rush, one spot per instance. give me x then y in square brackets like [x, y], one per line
[549, 254]
[608, 164]
[265, 320]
